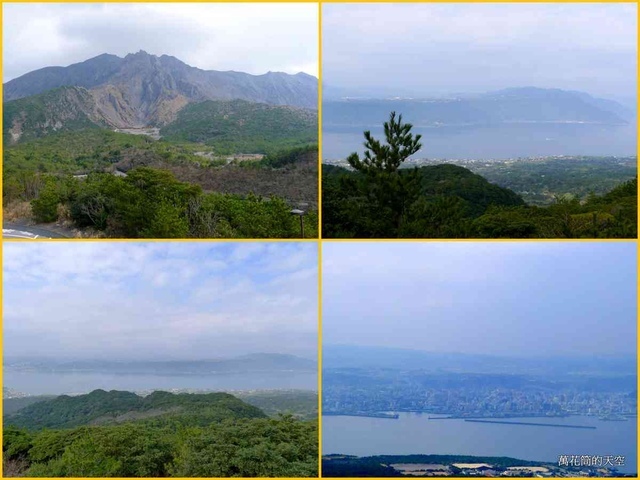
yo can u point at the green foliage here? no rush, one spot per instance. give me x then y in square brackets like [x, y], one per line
[477, 193]
[108, 407]
[12, 405]
[125, 451]
[150, 202]
[263, 448]
[16, 443]
[50, 444]
[540, 180]
[433, 202]
[401, 144]
[74, 152]
[299, 404]
[238, 126]
[381, 200]
[45, 207]
[613, 215]
[287, 157]
[254, 217]
[59, 109]
[500, 222]
[355, 467]
[377, 199]
[201, 435]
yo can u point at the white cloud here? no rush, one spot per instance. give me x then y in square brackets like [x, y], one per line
[253, 38]
[133, 300]
[447, 48]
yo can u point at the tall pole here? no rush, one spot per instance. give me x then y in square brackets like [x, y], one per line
[300, 213]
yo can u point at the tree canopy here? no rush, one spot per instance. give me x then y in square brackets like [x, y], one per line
[380, 199]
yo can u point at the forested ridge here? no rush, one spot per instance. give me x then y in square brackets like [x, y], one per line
[100, 406]
[379, 199]
[241, 126]
[122, 434]
[121, 185]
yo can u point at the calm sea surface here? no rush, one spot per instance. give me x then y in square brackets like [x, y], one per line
[36, 383]
[416, 434]
[503, 142]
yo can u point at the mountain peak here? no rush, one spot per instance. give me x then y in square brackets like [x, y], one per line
[143, 89]
[141, 53]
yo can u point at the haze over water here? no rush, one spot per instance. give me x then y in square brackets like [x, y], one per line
[504, 142]
[57, 383]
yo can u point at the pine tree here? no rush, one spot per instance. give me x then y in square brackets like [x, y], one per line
[387, 191]
[401, 144]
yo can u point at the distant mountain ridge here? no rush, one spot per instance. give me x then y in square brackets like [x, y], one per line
[371, 357]
[139, 90]
[252, 363]
[145, 76]
[512, 105]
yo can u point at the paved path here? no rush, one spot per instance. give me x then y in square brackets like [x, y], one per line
[30, 232]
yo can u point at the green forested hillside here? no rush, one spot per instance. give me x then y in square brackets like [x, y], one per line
[433, 200]
[169, 191]
[378, 199]
[185, 435]
[476, 191]
[540, 180]
[78, 152]
[100, 407]
[454, 203]
[238, 126]
[12, 405]
[300, 404]
[58, 110]
[196, 182]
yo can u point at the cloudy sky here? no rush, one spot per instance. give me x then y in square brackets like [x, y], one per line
[160, 300]
[252, 38]
[420, 49]
[484, 298]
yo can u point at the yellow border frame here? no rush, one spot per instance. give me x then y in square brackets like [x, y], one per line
[320, 240]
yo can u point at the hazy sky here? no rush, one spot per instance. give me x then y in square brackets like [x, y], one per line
[434, 48]
[487, 298]
[252, 38]
[159, 300]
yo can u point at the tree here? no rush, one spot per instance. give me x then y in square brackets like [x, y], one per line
[45, 207]
[401, 144]
[388, 192]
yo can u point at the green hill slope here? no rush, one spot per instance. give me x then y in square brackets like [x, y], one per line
[452, 180]
[219, 199]
[238, 126]
[448, 201]
[101, 407]
[259, 447]
[120, 434]
[434, 200]
[58, 110]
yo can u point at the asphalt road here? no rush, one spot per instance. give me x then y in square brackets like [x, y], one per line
[27, 232]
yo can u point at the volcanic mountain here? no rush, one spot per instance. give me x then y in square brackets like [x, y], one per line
[139, 90]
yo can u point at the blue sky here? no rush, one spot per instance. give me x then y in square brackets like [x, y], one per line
[518, 298]
[423, 49]
[160, 300]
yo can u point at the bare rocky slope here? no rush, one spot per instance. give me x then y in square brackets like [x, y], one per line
[138, 90]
